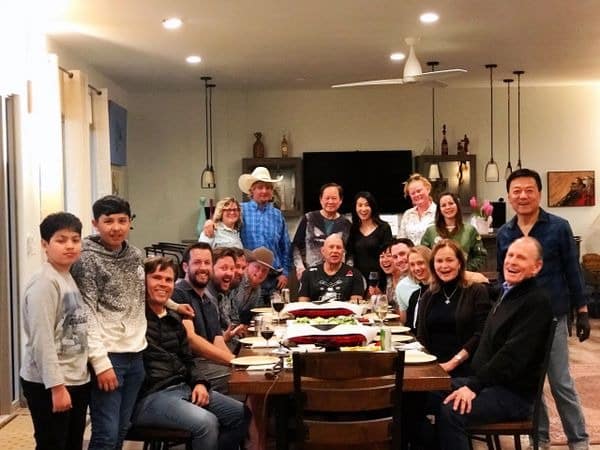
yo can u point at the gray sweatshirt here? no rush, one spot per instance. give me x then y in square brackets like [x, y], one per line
[113, 290]
[55, 329]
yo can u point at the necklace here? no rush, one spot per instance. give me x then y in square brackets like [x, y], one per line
[448, 297]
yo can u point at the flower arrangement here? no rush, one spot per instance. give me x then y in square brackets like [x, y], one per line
[486, 208]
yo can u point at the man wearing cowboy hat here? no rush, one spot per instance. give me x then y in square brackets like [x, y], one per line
[264, 226]
[248, 294]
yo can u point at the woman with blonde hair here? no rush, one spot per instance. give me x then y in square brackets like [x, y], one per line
[453, 311]
[418, 270]
[227, 221]
[417, 219]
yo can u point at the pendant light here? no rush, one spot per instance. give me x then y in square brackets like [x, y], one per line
[518, 73]
[434, 173]
[207, 180]
[491, 168]
[508, 170]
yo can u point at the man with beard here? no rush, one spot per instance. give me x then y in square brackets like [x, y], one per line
[204, 332]
[332, 276]
[218, 290]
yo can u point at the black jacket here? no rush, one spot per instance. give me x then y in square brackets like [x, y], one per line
[471, 311]
[168, 359]
[511, 349]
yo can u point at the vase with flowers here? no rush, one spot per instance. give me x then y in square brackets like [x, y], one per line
[482, 216]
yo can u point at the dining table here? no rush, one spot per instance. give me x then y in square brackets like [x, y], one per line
[278, 387]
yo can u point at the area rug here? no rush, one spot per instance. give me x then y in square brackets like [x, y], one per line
[587, 382]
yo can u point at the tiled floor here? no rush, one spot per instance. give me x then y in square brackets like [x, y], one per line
[17, 434]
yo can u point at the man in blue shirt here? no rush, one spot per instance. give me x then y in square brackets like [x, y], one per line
[264, 226]
[561, 276]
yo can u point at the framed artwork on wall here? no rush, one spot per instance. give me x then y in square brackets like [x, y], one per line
[571, 188]
[117, 124]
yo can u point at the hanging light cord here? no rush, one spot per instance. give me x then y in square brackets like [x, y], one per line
[491, 67]
[518, 73]
[206, 115]
[210, 88]
[508, 81]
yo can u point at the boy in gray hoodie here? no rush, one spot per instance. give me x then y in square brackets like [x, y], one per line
[110, 275]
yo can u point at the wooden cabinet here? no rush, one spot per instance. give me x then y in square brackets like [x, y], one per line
[288, 193]
[458, 175]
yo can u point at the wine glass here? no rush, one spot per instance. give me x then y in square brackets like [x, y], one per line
[380, 306]
[266, 329]
[277, 303]
[373, 280]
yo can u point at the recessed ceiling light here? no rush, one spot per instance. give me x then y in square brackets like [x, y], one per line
[172, 23]
[398, 56]
[193, 59]
[429, 17]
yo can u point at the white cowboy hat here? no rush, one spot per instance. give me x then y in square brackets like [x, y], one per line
[260, 173]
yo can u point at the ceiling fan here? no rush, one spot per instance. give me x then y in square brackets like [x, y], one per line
[412, 72]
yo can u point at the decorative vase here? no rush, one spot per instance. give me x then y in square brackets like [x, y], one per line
[258, 149]
[201, 216]
[482, 224]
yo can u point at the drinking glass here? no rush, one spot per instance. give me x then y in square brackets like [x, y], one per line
[380, 306]
[266, 328]
[373, 280]
[277, 303]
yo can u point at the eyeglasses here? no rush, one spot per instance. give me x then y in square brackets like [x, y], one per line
[231, 209]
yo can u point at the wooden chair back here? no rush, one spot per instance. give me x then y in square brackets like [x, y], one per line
[348, 399]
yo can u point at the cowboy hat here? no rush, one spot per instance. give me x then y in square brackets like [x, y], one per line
[260, 173]
[263, 256]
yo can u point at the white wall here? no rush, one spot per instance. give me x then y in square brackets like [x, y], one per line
[166, 139]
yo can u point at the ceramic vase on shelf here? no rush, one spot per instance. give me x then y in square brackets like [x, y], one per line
[201, 216]
[483, 225]
[258, 149]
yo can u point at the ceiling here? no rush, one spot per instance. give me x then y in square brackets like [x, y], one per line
[306, 44]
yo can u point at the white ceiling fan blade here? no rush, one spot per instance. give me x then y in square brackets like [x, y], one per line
[440, 74]
[370, 83]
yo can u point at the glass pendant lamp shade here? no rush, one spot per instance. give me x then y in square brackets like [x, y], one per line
[434, 172]
[492, 174]
[207, 179]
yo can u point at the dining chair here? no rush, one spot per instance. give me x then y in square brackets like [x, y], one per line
[491, 432]
[156, 438]
[348, 400]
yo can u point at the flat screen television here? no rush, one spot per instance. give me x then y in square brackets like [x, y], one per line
[380, 172]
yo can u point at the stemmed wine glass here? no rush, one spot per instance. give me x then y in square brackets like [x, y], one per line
[373, 280]
[266, 329]
[380, 306]
[277, 303]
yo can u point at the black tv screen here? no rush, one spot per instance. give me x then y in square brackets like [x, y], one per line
[380, 172]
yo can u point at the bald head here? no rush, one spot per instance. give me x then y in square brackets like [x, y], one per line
[524, 259]
[333, 250]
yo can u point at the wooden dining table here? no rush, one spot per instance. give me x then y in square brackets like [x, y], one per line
[279, 387]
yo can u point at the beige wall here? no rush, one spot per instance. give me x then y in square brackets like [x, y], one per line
[166, 138]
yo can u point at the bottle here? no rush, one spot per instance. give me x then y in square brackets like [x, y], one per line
[444, 141]
[284, 147]
[385, 339]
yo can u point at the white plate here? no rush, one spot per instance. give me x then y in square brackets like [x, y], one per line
[416, 357]
[374, 318]
[262, 310]
[254, 360]
[401, 338]
[251, 340]
[397, 329]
